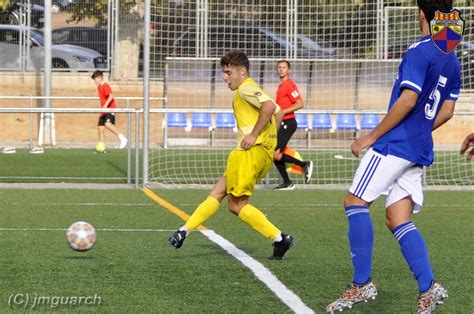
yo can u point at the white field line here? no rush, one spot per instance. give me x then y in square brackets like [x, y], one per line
[82, 204]
[100, 229]
[269, 206]
[63, 178]
[261, 272]
[287, 296]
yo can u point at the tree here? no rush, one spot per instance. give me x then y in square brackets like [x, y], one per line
[130, 32]
[4, 4]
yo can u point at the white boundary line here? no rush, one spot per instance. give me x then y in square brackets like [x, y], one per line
[261, 272]
[315, 206]
[82, 204]
[101, 229]
[285, 295]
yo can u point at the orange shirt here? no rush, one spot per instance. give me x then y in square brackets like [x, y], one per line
[287, 95]
[104, 93]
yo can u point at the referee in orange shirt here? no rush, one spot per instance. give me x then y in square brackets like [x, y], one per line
[289, 99]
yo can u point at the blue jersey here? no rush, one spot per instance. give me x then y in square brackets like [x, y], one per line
[435, 77]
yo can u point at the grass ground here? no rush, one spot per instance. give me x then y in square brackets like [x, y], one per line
[137, 271]
[195, 166]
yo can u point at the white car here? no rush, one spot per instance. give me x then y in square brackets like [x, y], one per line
[13, 54]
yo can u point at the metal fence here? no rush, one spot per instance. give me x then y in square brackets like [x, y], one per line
[109, 34]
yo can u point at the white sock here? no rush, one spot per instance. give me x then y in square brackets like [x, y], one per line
[121, 137]
[183, 228]
[278, 238]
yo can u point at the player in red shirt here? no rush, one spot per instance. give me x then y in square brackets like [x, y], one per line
[106, 120]
[289, 99]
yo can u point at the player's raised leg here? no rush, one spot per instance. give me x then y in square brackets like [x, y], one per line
[202, 213]
[252, 216]
[244, 169]
[110, 125]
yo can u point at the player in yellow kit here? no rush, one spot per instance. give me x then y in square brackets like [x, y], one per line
[257, 117]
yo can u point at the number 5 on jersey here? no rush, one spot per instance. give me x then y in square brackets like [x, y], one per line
[430, 110]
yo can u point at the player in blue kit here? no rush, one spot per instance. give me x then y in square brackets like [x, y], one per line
[423, 99]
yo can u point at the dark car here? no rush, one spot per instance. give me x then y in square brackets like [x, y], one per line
[397, 47]
[17, 12]
[94, 38]
[256, 42]
[464, 52]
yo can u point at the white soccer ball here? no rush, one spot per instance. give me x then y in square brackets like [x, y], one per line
[81, 236]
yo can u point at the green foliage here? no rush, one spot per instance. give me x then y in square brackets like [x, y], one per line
[96, 10]
[4, 4]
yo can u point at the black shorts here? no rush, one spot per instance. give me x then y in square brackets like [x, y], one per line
[285, 132]
[109, 117]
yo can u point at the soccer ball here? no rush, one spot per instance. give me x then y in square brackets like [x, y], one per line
[81, 236]
[100, 147]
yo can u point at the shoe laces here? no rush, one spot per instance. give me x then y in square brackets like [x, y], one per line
[424, 302]
[351, 293]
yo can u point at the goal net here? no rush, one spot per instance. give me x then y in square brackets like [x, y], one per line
[344, 59]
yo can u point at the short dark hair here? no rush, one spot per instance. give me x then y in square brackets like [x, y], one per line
[235, 58]
[97, 73]
[285, 61]
[429, 7]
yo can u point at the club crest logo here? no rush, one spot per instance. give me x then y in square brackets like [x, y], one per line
[446, 30]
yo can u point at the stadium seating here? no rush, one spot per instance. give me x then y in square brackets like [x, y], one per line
[302, 121]
[176, 120]
[322, 121]
[346, 121]
[201, 120]
[369, 121]
[225, 120]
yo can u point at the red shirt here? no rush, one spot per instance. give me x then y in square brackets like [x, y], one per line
[287, 95]
[104, 93]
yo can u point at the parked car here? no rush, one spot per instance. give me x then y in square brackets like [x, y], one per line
[63, 56]
[256, 42]
[397, 47]
[324, 50]
[464, 52]
[17, 11]
[94, 38]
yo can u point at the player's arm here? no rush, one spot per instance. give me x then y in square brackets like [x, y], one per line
[296, 100]
[108, 91]
[267, 110]
[296, 106]
[279, 115]
[468, 142]
[445, 113]
[402, 107]
[108, 101]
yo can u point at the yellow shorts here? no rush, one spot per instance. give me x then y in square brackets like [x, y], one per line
[245, 168]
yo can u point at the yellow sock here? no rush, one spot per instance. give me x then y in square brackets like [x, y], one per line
[257, 220]
[202, 213]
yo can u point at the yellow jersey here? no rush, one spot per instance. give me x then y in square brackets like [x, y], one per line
[247, 103]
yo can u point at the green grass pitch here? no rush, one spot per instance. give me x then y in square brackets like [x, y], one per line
[137, 271]
[195, 166]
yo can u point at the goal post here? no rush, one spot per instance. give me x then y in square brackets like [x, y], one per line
[344, 58]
